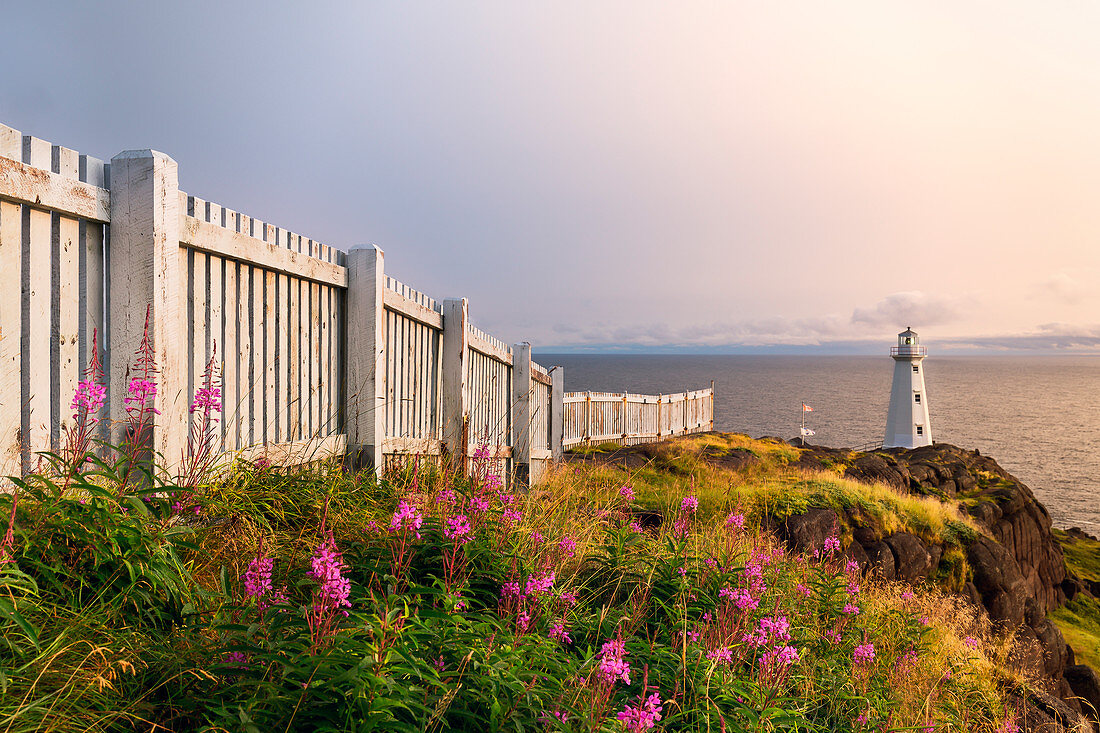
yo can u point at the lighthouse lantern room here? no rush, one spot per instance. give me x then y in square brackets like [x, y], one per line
[907, 424]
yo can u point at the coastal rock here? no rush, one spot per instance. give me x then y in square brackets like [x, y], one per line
[1085, 684]
[912, 560]
[872, 468]
[1044, 713]
[998, 581]
[1001, 504]
[807, 532]
[881, 560]
[1017, 569]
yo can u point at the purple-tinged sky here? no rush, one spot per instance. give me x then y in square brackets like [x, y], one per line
[697, 175]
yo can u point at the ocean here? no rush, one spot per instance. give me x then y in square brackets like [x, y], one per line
[1038, 416]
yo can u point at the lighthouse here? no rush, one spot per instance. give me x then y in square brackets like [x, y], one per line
[907, 424]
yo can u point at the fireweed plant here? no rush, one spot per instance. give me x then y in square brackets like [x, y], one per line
[434, 599]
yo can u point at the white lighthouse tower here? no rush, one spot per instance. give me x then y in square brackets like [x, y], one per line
[907, 424]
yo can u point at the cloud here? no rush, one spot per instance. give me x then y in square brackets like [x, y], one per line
[915, 307]
[1046, 337]
[912, 307]
[752, 332]
[1060, 287]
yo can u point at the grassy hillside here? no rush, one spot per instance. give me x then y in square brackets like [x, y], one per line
[613, 597]
[1079, 619]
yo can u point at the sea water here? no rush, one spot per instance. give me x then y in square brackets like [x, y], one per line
[1039, 416]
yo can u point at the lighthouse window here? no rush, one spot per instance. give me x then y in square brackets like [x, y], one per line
[916, 368]
[916, 397]
[920, 430]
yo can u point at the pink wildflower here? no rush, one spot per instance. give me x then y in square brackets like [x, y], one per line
[864, 653]
[803, 590]
[627, 492]
[407, 517]
[635, 527]
[326, 567]
[721, 655]
[643, 717]
[851, 609]
[689, 504]
[776, 628]
[207, 399]
[832, 544]
[142, 393]
[88, 397]
[537, 584]
[568, 546]
[612, 665]
[559, 633]
[512, 516]
[971, 642]
[736, 521]
[257, 579]
[458, 529]
[780, 657]
[236, 659]
[745, 601]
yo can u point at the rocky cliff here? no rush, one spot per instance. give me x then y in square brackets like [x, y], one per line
[1017, 570]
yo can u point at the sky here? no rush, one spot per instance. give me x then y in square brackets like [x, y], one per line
[629, 176]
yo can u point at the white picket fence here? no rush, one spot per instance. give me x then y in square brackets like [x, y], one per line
[319, 351]
[627, 419]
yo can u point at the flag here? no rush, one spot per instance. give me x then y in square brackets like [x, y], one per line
[806, 408]
[807, 431]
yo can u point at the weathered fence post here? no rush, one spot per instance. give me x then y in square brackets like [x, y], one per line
[587, 417]
[712, 405]
[456, 398]
[687, 428]
[146, 271]
[366, 386]
[12, 437]
[522, 428]
[557, 413]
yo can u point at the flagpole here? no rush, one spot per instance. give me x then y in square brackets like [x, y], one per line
[802, 432]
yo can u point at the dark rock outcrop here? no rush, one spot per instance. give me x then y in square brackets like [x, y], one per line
[1018, 569]
[912, 561]
[1002, 505]
[807, 532]
[1085, 684]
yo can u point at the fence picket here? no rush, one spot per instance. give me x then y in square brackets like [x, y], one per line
[273, 303]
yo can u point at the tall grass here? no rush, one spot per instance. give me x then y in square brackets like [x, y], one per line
[219, 605]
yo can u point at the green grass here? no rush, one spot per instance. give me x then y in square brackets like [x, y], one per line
[1082, 555]
[1079, 621]
[771, 488]
[133, 608]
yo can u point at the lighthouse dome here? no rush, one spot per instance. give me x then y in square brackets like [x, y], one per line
[908, 337]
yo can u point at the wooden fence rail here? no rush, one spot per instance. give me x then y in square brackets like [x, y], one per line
[621, 417]
[319, 351]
